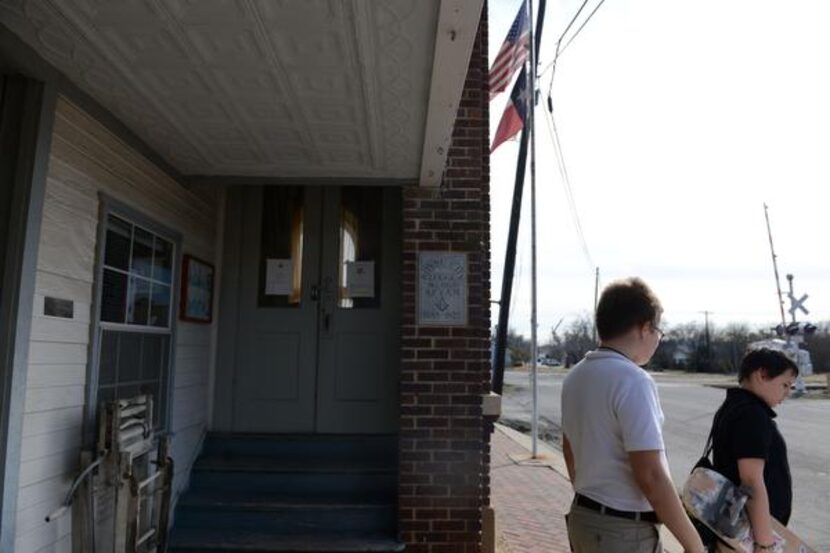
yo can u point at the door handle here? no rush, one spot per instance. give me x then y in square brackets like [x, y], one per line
[315, 292]
[326, 321]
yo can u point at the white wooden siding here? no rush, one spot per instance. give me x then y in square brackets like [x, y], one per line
[87, 159]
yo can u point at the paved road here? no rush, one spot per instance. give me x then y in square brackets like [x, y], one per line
[689, 407]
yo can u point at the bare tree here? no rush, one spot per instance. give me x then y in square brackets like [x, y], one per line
[518, 346]
[578, 339]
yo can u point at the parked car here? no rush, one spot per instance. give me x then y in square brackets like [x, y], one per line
[548, 361]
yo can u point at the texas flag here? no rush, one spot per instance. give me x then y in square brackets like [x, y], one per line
[515, 113]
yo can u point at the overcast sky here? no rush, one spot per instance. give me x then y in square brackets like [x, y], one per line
[678, 120]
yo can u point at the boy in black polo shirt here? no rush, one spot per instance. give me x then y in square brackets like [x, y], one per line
[747, 446]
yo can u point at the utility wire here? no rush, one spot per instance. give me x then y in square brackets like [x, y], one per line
[566, 183]
[560, 48]
[590, 15]
[554, 132]
[559, 40]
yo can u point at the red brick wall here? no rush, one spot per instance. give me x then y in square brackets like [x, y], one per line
[445, 442]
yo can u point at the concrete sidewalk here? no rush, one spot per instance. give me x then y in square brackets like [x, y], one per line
[531, 496]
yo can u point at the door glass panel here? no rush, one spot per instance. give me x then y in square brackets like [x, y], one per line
[281, 248]
[361, 212]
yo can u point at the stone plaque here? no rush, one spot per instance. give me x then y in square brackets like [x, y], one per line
[442, 289]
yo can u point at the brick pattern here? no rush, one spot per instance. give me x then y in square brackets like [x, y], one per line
[445, 442]
[530, 501]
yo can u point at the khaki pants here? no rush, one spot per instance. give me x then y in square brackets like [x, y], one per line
[592, 532]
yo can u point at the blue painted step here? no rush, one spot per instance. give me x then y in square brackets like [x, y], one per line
[259, 497]
[258, 493]
[305, 448]
[224, 541]
[291, 519]
[294, 484]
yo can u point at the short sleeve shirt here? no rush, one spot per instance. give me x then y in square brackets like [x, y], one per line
[744, 428]
[610, 407]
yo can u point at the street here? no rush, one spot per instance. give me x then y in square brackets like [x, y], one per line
[689, 405]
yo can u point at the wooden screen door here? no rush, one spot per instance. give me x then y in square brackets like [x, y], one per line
[318, 327]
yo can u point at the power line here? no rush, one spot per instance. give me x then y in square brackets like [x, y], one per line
[559, 40]
[566, 183]
[560, 48]
[573, 20]
[590, 15]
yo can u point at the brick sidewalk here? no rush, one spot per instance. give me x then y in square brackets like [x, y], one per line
[530, 500]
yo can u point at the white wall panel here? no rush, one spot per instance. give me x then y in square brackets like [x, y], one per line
[86, 160]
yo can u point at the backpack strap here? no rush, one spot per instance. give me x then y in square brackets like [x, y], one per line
[717, 422]
[709, 443]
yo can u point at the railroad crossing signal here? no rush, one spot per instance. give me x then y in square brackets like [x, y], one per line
[796, 304]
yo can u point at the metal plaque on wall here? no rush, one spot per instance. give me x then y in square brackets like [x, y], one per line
[442, 289]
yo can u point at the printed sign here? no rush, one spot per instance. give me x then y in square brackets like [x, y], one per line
[442, 289]
[278, 276]
[360, 279]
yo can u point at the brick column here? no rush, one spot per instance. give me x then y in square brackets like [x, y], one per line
[445, 441]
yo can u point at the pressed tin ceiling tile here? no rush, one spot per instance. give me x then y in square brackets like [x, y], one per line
[255, 87]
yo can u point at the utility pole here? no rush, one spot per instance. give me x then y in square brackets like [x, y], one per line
[775, 268]
[797, 337]
[513, 234]
[531, 89]
[596, 300]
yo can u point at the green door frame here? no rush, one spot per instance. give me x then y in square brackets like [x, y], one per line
[26, 117]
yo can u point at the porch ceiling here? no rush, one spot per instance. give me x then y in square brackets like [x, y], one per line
[289, 88]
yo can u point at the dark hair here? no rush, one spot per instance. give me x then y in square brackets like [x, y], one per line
[774, 362]
[625, 304]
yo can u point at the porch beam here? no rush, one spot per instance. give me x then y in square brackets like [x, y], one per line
[457, 27]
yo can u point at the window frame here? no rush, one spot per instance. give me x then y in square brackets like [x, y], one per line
[130, 274]
[109, 206]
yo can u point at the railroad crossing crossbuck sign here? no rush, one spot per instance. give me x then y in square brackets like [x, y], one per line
[798, 304]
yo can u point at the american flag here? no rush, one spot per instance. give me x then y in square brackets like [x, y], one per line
[512, 54]
[515, 112]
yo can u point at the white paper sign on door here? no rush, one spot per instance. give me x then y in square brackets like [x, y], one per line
[278, 277]
[360, 279]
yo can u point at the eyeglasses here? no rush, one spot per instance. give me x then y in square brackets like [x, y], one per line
[660, 332]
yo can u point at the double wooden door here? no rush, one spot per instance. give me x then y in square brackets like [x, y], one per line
[318, 319]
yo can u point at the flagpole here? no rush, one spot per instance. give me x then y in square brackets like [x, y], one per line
[512, 236]
[531, 98]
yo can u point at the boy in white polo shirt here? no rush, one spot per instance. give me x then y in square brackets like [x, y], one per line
[612, 434]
